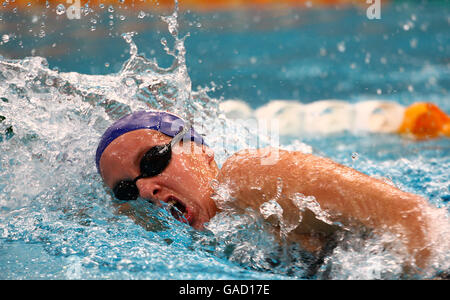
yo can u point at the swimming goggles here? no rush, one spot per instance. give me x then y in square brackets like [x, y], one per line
[153, 163]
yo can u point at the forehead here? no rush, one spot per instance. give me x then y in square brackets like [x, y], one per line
[120, 159]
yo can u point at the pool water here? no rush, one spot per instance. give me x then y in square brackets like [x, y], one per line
[57, 220]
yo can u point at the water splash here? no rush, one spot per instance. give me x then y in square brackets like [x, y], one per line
[50, 193]
[51, 196]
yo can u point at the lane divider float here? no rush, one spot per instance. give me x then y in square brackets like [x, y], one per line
[421, 120]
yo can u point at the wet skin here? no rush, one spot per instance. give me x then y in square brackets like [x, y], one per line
[347, 195]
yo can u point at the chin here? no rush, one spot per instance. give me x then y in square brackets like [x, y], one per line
[199, 223]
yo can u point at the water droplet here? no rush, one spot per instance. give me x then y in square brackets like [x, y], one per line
[355, 156]
[111, 9]
[141, 15]
[60, 9]
[107, 65]
[129, 81]
[341, 47]
[128, 37]
[5, 38]
[323, 51]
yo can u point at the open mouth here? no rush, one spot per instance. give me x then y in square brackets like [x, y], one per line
[178, 210]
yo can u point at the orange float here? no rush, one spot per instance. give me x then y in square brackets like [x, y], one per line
[425, 120]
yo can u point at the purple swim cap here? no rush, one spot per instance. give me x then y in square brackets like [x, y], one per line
[161, 121]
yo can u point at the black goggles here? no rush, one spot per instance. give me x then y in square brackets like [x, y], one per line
[153, 163]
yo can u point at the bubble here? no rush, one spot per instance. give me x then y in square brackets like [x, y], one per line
[355, 156]
[60, 9]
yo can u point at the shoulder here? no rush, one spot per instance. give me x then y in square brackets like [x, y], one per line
[269, 156]
[265, 161]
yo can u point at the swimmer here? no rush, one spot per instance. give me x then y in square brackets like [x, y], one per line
[138, 156]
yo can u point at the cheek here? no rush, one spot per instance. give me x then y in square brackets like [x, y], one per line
[193, 170]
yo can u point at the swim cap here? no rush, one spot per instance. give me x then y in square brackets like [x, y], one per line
[161, 121]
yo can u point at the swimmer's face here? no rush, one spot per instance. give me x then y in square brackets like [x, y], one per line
[186, 180]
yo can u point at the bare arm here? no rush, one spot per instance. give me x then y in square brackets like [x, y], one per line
[342, 191]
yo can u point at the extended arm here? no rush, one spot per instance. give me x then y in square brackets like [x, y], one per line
[344, 193]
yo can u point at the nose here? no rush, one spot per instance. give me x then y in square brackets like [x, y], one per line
[148, 188]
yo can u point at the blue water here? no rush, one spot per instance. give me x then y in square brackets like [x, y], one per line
[58, 222]
[258, 56]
